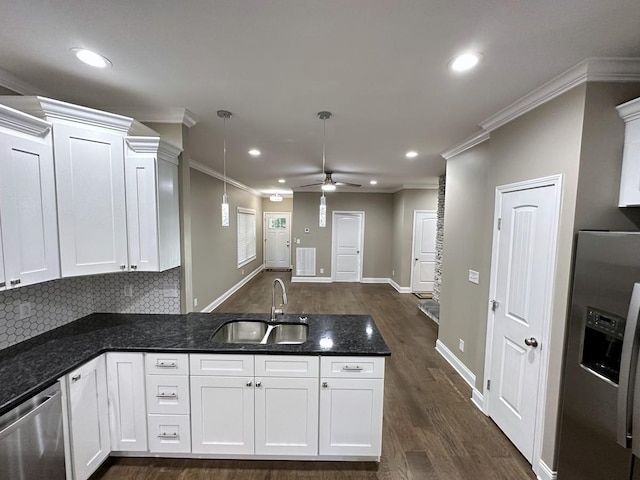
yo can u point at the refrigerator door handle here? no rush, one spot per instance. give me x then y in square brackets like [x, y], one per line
[628, 362]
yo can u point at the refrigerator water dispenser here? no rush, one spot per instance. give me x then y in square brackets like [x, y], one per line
[602, 343]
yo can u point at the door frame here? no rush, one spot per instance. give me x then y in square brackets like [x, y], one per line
[413, 241]
[554, 181]
[334, 239]
[264, 235]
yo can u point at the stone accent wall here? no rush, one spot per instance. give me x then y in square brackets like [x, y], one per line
[439, 238]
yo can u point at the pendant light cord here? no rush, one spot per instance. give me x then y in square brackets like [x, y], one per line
[224, 153]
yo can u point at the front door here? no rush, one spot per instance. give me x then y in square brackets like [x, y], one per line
[424, 251]
[347, 235]
[525, 258]
[277, 240]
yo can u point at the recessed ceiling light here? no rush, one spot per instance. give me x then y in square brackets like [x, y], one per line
[91, 58]
[254, 152]
[373, 182]
[465, 62]
[411, 154]
[282, 180]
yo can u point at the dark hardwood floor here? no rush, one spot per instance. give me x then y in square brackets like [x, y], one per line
[431, 428]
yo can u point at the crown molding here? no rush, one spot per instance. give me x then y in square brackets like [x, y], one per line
[15, 84]
[589, 70]
[22, 122]
[466, 144]
[630, 110]
[154, 145]
[214, 173]
[159, 114]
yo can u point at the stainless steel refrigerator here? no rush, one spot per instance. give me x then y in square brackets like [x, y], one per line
[601, 389]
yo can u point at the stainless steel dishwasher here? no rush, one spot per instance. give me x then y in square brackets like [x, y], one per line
[32, 440]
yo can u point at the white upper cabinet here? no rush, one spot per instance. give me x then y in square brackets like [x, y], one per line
[630, 179]
[29, 232]
[152, 204]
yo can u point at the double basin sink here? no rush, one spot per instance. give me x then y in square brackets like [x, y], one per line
[261, 332]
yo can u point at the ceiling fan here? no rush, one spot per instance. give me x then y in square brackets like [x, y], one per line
[328, 184]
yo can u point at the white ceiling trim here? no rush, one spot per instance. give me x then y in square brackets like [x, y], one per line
[159, 114]
[630, 110]
[13, 83]
[589, 70]
[216, 174]
[21, 122]
[466, 144]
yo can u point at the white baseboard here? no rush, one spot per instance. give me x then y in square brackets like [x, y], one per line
[400, 289]
[457, 365]
[209, 308]
[477, 398]
[543, 472]
[311, 280]
[374, 280]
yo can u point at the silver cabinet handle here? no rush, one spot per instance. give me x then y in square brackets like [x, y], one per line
[531, 342]
[162, 364]
[249, 384]
[123, 267]
[75, 378]
[349, 368]
[134, 267]
[169, 435]
[3, 284]
[15, 282]
[258, 384]
[325, 385]
[167, 395]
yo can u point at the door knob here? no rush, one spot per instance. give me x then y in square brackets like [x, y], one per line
[531, 342]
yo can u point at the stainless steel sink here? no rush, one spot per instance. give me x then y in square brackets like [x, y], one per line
[241, 331]
[288, 334]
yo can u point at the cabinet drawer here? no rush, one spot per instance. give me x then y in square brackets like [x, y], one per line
[169, 433]
[286, 366]
[352, 367]
[167, 364]
[168, 394]
[232, 365]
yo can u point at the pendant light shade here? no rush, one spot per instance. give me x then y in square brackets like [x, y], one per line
[275, 197]
[224, 115]
[322, 221]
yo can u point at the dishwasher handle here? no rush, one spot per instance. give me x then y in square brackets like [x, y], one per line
[45, 402]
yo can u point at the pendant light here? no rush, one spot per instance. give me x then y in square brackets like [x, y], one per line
[324, 116]
[276, 197]
[224, 115]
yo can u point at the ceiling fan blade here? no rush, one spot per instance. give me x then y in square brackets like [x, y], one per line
[311, 185]
[347, 184]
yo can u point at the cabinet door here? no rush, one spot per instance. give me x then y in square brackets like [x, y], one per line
[168, 215]
[88, 417]
[127, 413]
[142, 213]
[222, 414]
[286, 416]
[351, 416]
[3, 283]
[28, 211]
[91, 200]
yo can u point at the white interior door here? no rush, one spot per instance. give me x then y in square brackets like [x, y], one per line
[347, 236]
[277, 240]
[424, 251]
[525, 252]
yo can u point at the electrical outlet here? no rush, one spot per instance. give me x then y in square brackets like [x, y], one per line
[474, 277]
[25, 310]
[128, 290]
[195, 302]
[298, 241]
[170, 290]
[322, 270]
[242, 271]
[461, 345]
[393, 273]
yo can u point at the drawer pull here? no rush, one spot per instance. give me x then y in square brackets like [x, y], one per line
[173, 436]
[3, 284]
[349, 368]
[163, 364]
[15, 282]
[75, 378]
[167, 395]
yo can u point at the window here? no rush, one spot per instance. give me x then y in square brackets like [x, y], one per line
[246, 236]
[280, 222]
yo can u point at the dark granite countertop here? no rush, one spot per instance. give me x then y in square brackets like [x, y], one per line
[30, 366]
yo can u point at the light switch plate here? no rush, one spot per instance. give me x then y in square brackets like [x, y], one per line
[25, 310]
[474, 277]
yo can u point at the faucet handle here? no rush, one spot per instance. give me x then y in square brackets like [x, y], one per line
[278, 311]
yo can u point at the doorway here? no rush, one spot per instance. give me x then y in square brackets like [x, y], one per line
[347, 240]
[424, 251]
[277, 240]
[521, 291]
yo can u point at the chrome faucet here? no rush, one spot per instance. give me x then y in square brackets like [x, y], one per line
[277, 311]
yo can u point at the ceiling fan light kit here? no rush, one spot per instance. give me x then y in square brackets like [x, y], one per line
[224, 115]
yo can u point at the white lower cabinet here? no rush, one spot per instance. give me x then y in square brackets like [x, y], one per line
[88, 415]
[351, 401]
[127, 409]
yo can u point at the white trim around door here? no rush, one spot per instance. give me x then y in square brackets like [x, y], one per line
[423, 250]
[347, 259]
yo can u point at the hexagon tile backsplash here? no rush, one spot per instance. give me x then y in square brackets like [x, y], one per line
[57, 302]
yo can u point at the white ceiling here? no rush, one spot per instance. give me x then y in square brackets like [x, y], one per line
[379, 65]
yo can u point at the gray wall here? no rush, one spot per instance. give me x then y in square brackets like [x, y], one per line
[286, 205]
[214, 255]
[378, 210]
